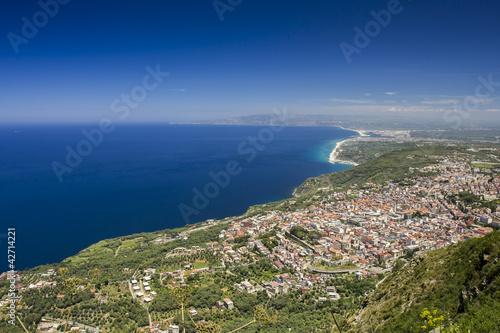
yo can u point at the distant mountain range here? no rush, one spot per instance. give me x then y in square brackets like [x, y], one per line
[370, 121]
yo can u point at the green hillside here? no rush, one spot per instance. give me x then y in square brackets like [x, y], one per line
[461, 281]
[197, 266]
[390, 166]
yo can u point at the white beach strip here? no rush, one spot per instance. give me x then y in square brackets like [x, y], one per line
[335, 152]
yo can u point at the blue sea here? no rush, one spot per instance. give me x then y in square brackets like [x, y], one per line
[138, 176]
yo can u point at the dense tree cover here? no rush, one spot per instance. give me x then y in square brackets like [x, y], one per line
[304, 234]
[492, 205]
[164, 302]
[392, 166]
[411, 253]
[36, 303]
[205, 297]
[363, 151]
[128, 313]
[304, 309]
[270, 243]
[8, 328]
[111, 260]
[268, 240]
[119, 314]
[246, 302]
[398, 264]
[352, 287]
[241, 240]
[271, 233]
[470, 199]
[259, 270]
[290, 310]
[299, 232]
[462, 281]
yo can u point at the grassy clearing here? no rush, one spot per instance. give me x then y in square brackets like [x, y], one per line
[485, 165]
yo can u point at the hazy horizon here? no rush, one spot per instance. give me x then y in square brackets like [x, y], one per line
[71, 61]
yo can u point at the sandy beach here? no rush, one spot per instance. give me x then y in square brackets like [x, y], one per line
[335, 152]
[338, 147]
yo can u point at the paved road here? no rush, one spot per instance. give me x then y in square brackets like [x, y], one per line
[74, 323]
[131, 291]
[338, 271]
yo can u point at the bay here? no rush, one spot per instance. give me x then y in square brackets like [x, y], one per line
[138, 176]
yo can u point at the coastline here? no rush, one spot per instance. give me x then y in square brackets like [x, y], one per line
[360, 132]
[152, 192]
[335, 152]
[333, 158]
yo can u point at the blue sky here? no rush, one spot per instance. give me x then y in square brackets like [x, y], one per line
[261, 55]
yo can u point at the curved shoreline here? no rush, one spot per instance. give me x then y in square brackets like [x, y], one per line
[360, 132]
[333, 158]
[335, 152]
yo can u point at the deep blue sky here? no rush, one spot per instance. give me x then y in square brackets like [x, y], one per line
[263, 54]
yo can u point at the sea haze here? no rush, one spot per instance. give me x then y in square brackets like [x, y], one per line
[136, 178]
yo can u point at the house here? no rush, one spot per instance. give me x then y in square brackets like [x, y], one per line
[173, 329]
[274, 287]
[331, 289]
[278, 264]
[228, 303]
[333, 296]
[45, 327]
[211, 245]
[245, 285]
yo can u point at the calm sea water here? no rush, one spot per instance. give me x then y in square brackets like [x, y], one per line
[135, 180]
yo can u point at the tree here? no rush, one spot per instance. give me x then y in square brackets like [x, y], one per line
[398, 264]
[245, 302]
[180, 294]
[73, 286]
[207, 327]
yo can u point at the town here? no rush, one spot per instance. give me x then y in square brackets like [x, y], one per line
[361, 232]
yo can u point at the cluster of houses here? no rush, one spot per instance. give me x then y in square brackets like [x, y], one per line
[142, 289]
[362, 226]
[366, 227]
